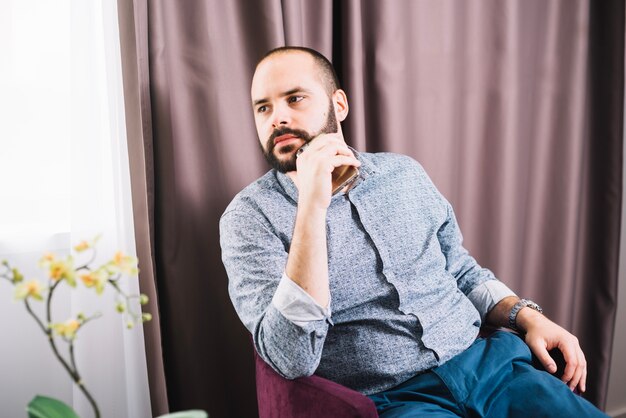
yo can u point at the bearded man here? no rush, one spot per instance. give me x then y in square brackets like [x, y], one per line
[363, 279]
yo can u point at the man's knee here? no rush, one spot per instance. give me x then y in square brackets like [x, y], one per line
[538, 394]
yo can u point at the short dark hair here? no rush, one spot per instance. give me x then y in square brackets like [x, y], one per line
[327, 71]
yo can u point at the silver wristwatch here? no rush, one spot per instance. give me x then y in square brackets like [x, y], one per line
[517, 307]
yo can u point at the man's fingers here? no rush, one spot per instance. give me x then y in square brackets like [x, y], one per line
[580, 373]
[542, 354]
[340, 160]
[575, 380]
[336, 148]
[330, 152]
[582, 385]
[330, 161]
[583, 381]
[330, 144]
[570, 355]
[324, 140]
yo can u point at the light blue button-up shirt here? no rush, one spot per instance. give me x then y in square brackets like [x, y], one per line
[405, 295]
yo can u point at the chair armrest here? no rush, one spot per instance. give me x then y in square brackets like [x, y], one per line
[307, 397]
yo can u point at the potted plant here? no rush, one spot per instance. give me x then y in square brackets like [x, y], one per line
[71, 271]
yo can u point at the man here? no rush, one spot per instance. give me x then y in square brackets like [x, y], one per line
[370, 287]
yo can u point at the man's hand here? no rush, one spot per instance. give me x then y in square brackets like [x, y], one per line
[542, 335]
[307, 264]
[315, 166]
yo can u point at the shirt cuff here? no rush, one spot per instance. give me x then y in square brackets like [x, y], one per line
[297, 305]
[487, 295]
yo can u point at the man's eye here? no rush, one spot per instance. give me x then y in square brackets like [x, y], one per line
[295, 99]
[261, 109]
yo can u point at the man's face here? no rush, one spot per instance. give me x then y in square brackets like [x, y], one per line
[291, 107]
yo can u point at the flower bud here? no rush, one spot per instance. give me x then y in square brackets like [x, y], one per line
[17, 276]
[146, 317]
[143, 299]
[120, 307]
[82, 246]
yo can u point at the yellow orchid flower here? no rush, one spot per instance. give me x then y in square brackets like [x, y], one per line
[81, 246]
[63, 269]
[66, 329]
[29, 289]
[122, 263]
[85, 245]
[46, 259]
[97, 279]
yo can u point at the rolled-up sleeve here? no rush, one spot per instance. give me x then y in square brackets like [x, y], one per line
[297, 305]
[255, 258]
[487, 295]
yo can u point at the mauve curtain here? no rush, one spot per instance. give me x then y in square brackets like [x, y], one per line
[513, 107]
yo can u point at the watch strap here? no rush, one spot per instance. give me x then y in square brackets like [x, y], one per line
[522, 303]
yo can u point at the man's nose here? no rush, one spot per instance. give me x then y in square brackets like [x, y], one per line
[281, 117]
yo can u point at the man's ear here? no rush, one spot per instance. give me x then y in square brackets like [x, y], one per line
[340, 102]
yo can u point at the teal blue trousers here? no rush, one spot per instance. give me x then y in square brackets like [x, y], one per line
[493, 378]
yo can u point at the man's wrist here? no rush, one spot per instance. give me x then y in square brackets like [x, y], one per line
[309, 205]
[523, 313]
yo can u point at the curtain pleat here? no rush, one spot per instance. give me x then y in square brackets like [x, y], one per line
[593, 307]
[133, 39]
[514, 108]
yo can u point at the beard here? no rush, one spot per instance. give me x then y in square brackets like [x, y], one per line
[289, 163]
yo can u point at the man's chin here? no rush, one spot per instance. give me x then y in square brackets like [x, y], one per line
[284, 162]
[286, 165]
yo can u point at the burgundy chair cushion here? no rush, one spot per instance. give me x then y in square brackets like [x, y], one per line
[307, 397]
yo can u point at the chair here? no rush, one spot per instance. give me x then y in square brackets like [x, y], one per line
[307, 397]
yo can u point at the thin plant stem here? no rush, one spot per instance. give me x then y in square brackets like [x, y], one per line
[80, 384]
[72, 371]
[49, 301]
[72, 358]
[86, 265]
[30, 311]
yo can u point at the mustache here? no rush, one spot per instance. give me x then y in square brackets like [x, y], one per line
[286, 131]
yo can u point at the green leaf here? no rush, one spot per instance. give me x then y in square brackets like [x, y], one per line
[44, 407]
[194, 413]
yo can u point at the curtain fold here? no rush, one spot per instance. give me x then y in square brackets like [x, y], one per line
[597, 254]
[514, 108]
[133, 39]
